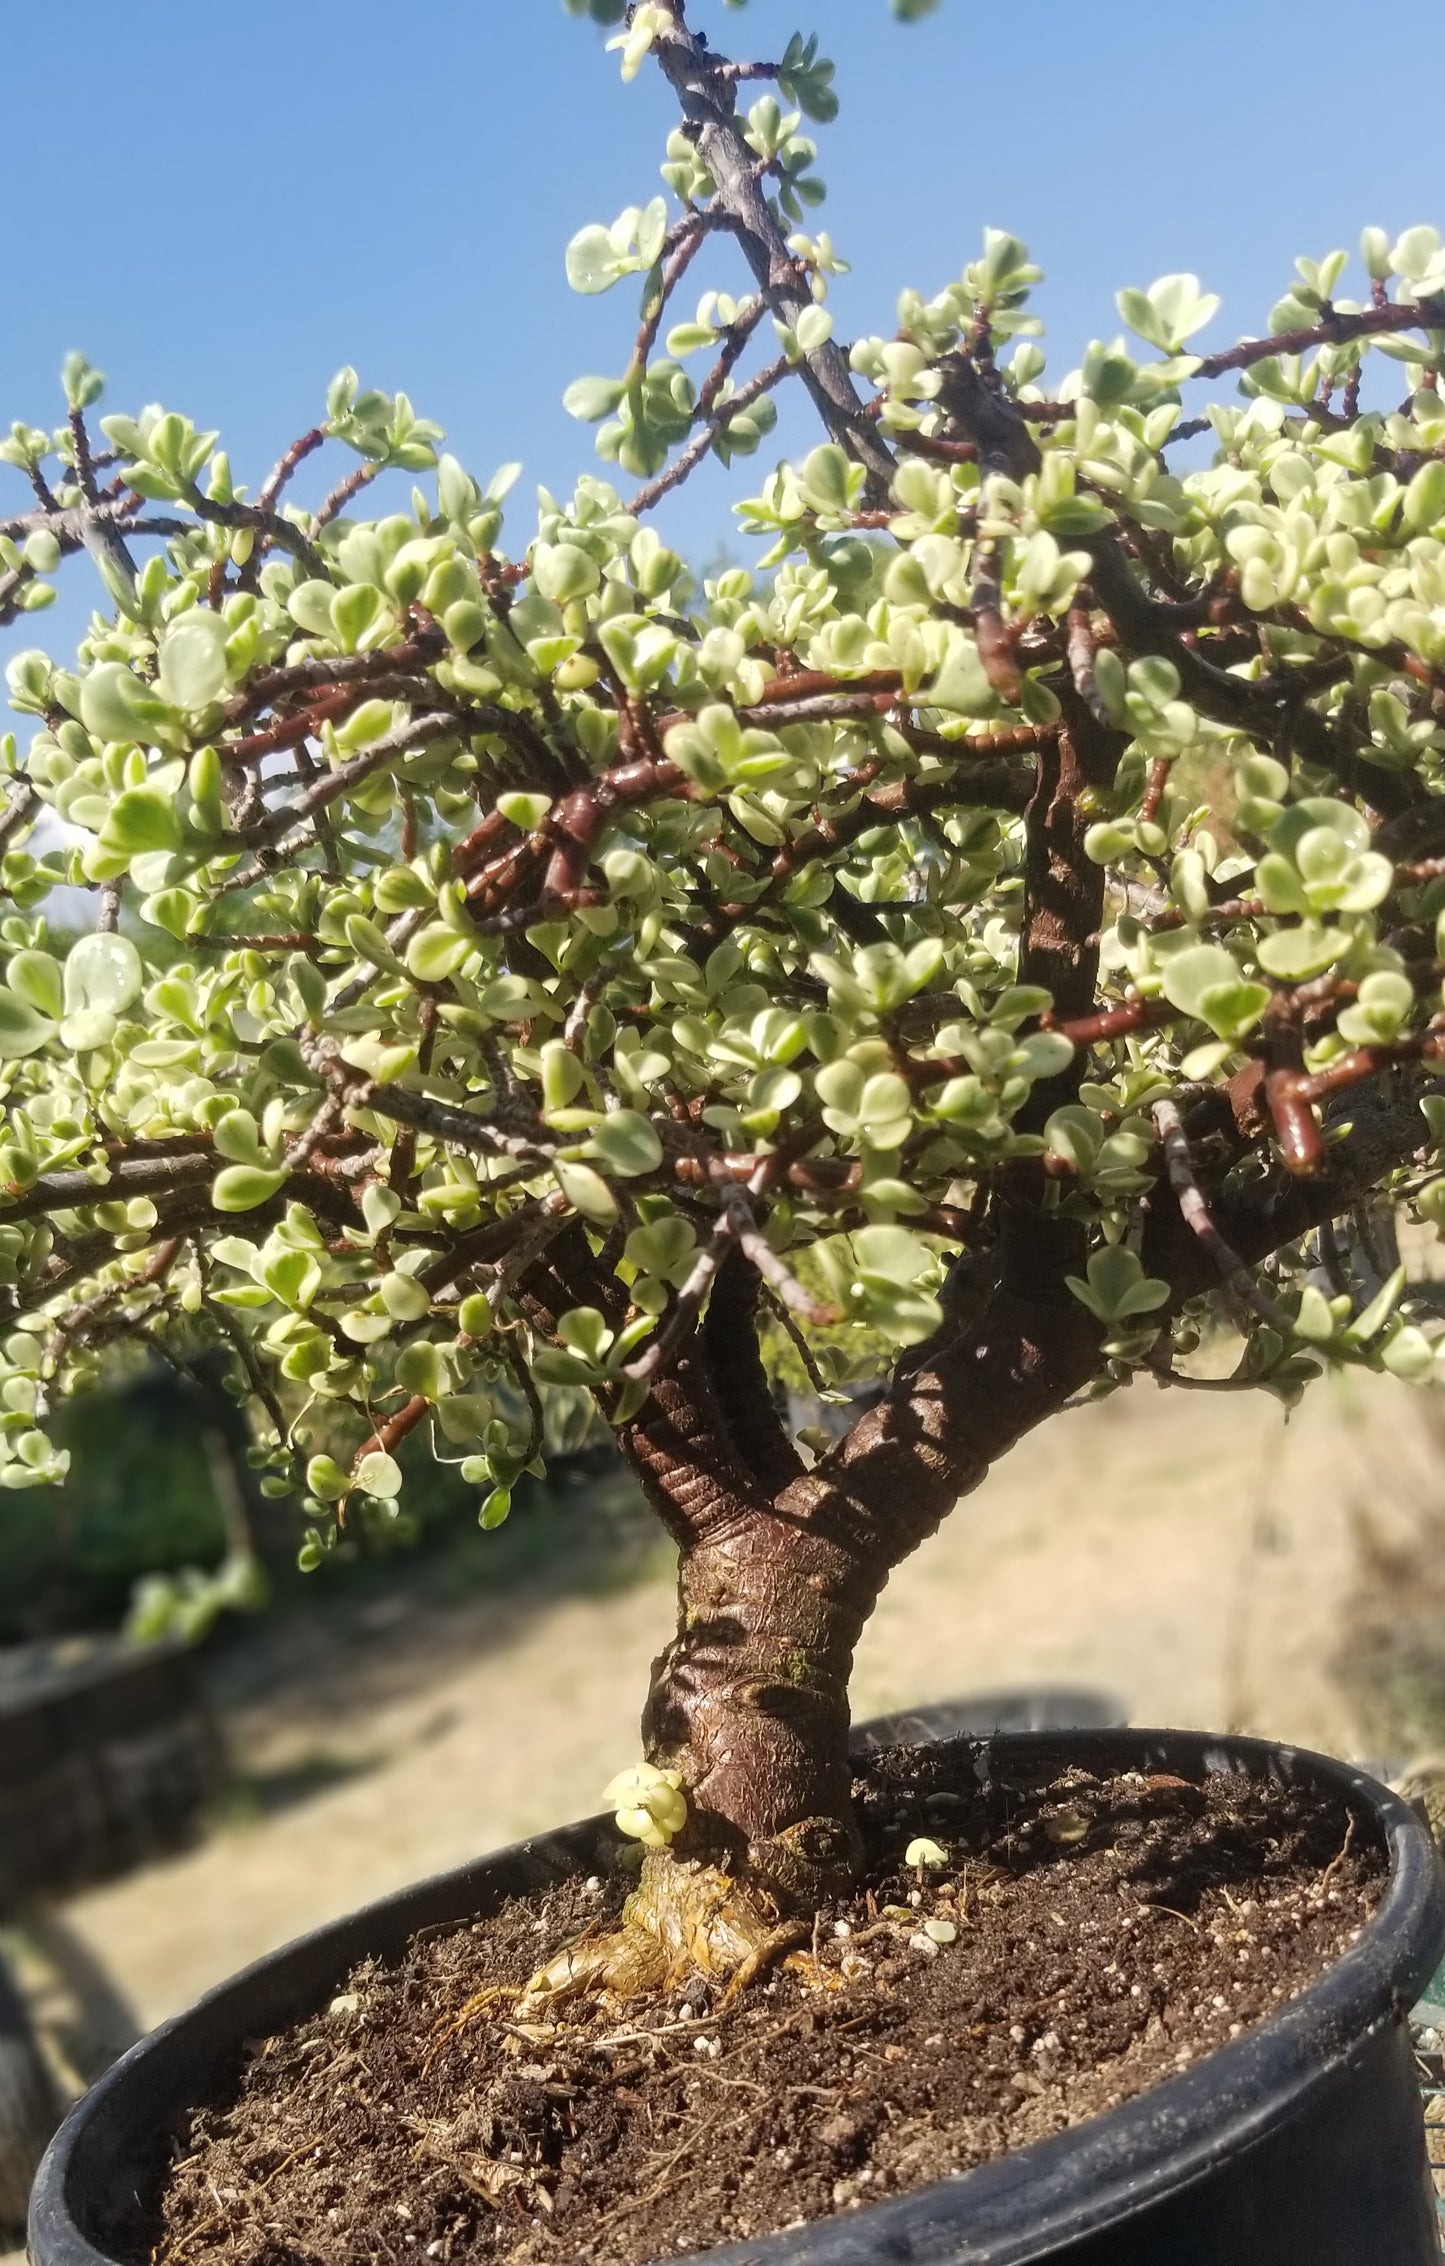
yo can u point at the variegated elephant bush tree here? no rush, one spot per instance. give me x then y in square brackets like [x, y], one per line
[1000, 926]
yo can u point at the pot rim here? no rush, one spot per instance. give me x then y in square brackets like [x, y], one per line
[1014, 2208]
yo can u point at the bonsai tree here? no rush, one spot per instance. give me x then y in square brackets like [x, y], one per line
[994, 935]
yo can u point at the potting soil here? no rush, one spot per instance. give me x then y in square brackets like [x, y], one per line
[1082, 1940]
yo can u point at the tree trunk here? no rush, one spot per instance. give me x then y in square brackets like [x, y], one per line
[750, 1700]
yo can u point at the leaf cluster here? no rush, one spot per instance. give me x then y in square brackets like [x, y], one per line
[450, 904]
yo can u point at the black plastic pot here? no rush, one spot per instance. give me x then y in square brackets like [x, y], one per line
[1019, 1707]
[1300, 2144]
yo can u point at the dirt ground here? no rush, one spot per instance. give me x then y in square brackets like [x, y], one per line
[1194, 1554]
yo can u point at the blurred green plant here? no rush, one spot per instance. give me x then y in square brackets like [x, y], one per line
[138, 1500]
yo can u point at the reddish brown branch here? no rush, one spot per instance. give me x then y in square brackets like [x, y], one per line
[574, 825]
[307, 678]
[1063, 887]
[995, 643]
[324, 708]
[1367, 1062]
[393, 1431]
[1155, 785]
[1332, 330]
[692, 455]
[1112, 1022]
[1301, 1143]
[342, 494]
[282, 470]
[934, 447]
[1222, 915]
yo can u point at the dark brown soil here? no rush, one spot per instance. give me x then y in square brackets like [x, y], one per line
[1099, 1936]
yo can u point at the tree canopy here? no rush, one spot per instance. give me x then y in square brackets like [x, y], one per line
[438, 952]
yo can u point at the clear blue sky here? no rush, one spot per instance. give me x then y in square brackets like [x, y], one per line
[221, 204]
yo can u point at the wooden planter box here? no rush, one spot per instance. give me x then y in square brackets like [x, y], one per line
[104, 1761]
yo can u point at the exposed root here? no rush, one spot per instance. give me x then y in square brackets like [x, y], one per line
[782, 1938]
[684, 1919]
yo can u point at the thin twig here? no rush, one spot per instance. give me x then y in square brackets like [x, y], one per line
[17, 811]
[1194, 1209]
[256, 1378]
[284, 830]
[78, 1319]
[268, 524]
[1081, 654]
[799, 1343]
[342, 494]
[521, 1371]
[686, 1306]
[1365, 322]
[281, 472]
[697, 448]
[754, 1245]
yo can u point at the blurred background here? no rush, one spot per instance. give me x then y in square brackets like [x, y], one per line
[253, 198]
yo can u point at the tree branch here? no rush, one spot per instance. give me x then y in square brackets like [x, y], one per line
[1063, 887]
[1333, 329]
[739, 1380]
[687, 461]
[75, 1190]
[1194, 1210]
[678, 1442]
[284, 533]
[699, 80]
[18, 810]
[886, 1486]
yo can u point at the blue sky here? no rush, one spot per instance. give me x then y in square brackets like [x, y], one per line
[223, 204]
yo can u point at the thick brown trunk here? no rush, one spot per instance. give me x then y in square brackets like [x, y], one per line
[750, 1700]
